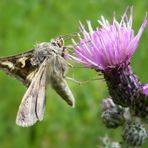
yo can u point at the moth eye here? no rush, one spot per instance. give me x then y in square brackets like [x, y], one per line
[59, 44]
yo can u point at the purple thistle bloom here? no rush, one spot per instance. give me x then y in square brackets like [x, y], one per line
[109, 49]
[108, 46]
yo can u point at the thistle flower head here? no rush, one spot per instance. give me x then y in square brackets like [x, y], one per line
[108, 46]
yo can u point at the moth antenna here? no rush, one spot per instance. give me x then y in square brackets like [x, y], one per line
[69, 36]
[79, 67]
[68, 47]
[89, 41]
[71, 47]
[76, 45]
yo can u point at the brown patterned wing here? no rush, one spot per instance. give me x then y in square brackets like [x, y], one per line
[20, 67]
[32, 106]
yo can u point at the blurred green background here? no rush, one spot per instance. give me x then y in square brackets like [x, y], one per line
[22, 24]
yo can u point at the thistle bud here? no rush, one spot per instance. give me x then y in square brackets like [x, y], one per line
[112, 115]
[107, 104]
[134, 134]
[108, 143]
[139, 104]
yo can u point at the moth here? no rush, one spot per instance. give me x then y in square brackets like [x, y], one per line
[45, 64]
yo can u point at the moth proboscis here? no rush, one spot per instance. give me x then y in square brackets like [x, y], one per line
[45, 64]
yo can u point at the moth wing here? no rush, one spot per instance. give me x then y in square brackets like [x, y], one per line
[19, 66]
[32, 106]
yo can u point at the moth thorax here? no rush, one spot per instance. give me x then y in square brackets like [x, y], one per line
[44, 50]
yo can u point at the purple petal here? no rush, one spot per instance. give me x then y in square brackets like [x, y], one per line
[145, 89]
[107, 103]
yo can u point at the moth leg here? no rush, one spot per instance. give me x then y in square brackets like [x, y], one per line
[68, 46]
[70, 65]
[66, 62]
[84, 81]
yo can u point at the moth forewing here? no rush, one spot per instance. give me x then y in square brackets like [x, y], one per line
[32, 106]
[19, 66]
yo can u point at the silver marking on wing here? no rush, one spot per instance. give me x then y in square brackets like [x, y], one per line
[22, 60]
[32, 106]
[9, 64]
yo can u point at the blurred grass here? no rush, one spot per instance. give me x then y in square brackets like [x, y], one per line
[22, 24]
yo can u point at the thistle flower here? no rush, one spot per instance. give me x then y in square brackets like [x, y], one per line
[110, 45]
[109, 49]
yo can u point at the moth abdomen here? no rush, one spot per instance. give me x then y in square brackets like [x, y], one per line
[61, 87]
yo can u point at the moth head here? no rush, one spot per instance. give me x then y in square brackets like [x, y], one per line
[58, 43]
